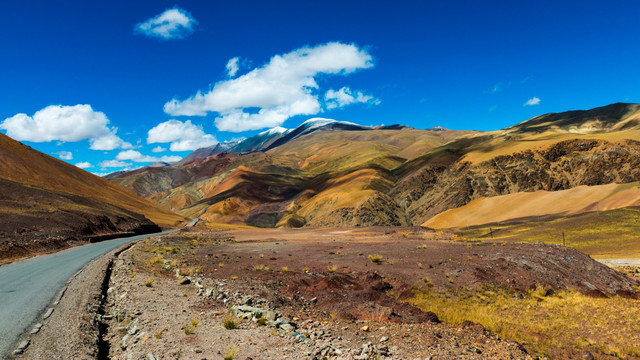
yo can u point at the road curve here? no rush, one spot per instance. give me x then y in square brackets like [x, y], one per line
[27, 288]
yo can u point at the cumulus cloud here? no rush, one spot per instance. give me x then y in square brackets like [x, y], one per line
[158, 149]
[233, 66]
[172, 24]
[65, 123]
[533, 101]
[183, 136]
[268, 95]
[84, 165]
[136, 156]
[344, 96]
[65, 155]
[113, 164]
[109, 142]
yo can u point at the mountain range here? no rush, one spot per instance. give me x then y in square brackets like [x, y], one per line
[328, 173]
[335, 173]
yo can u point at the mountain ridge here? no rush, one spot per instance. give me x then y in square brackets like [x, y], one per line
[349, 175]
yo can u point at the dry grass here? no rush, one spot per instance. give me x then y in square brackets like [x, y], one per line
[189, 330]
[229, 323]
[605, 234]
[375, 258]
[565, 320]
[230, 353]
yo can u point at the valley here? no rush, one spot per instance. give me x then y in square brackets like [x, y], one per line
[319, 180]
[340, 241]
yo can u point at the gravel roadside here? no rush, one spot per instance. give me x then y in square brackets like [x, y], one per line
[71, 331]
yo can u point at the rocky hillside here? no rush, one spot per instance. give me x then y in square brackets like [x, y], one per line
[434, 188]
[328, 173]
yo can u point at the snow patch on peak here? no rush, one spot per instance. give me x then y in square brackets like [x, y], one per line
[317, 122]
[274, 131]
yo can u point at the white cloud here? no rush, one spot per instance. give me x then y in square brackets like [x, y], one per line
[158, 149]
[65, 155]
[172, 24]
[113, 164]
[136, 156]
[183, 136]
[533, 101]
[109, 142]
[345, 96]
[280, 89]
[233, 66]
[84, 165]
[65, 123]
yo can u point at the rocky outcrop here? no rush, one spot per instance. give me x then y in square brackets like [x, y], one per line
[563, 165]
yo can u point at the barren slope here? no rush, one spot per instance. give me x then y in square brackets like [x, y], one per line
[522, 205]
[24, 165]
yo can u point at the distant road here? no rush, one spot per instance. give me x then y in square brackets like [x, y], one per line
[27, 288]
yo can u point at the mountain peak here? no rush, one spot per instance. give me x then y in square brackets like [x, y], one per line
[317, 122]
[274, 131]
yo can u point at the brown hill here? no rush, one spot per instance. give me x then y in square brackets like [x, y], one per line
[24, 165]
[48, 204]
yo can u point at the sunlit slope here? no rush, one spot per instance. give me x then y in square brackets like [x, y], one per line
[611, 123]
[24, 165]
[600, 234]
[328, 151]
[525, 205]
[550, 152]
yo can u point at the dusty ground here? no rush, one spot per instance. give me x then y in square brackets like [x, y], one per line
[325, 287]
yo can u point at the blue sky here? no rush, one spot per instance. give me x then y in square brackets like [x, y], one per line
[93, 83]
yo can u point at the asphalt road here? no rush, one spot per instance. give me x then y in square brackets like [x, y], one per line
[27, 288]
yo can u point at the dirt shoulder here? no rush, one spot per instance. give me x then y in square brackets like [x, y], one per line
[72, 329]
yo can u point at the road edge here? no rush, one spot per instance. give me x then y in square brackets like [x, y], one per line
[70, 328]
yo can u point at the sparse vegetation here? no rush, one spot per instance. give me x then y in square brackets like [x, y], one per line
[602, 234]
[375, 258]
[229, 323]
[230, 353]
[546, 322]
[148, 283]
[332, 268]
[189, 330]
